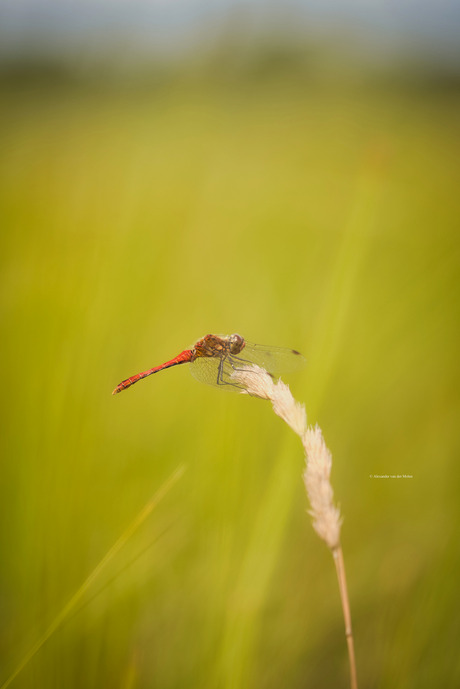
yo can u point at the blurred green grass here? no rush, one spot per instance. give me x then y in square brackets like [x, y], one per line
[134, 222]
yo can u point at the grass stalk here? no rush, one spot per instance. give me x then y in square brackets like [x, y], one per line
[326, 516]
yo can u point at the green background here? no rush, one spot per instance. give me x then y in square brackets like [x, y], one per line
[315, 214]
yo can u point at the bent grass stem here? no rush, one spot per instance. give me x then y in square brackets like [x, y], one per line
[117, 546]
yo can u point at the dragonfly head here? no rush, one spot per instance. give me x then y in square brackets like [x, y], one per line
[235, 343]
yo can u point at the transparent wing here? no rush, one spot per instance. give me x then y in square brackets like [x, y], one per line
[274, 360]
[214, 371]
[218, 371]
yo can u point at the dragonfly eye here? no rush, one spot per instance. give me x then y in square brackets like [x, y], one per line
[236, 343]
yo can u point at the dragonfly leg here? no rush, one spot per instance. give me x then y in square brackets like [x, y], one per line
[222, 374]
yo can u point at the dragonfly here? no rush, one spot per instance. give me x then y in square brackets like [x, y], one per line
[215, 358]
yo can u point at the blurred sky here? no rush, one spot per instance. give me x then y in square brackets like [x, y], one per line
[383, 27]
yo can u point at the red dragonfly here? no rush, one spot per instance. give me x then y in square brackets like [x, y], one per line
[214, 359]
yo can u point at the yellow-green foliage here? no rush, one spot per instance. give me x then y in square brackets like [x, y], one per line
[133, 223]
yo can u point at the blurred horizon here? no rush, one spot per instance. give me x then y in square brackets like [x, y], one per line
[145, 32]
